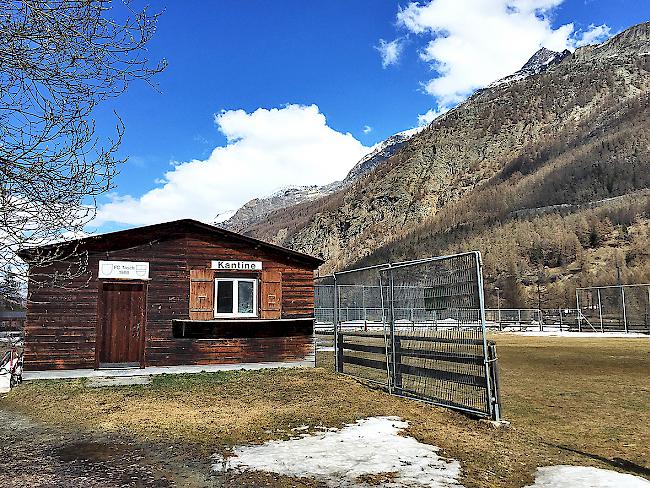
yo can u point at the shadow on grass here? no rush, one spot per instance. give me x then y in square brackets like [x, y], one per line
[616, 462]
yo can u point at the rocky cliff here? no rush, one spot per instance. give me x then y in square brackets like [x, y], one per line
[573, 133]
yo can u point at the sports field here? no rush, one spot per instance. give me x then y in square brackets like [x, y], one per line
[569, 401]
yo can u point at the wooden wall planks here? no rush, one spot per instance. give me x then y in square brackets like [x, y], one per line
[60, 327]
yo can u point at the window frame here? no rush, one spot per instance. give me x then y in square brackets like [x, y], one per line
[235, 298]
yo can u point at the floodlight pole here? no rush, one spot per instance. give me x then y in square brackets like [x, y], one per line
[600, 311]
[498, 290]
[646, 321]
[335, 319]
[624, 311]
[578, 310]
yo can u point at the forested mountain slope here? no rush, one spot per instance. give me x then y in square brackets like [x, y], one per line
[484, 175]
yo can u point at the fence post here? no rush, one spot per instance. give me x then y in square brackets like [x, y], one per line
[494, 413]
[397, 364]
[578, 311]
[600, 312]
[335, 320]
[624, 311]
[647, 315]
[339, 352]
[560, 312]
[494, 375]
[391, 309]
[363, 307]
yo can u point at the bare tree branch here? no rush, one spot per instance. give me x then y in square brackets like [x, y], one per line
[59, 59]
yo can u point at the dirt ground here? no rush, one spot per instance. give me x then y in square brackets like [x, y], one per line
[570, 401]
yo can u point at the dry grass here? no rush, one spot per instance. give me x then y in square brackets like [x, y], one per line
[572, 401]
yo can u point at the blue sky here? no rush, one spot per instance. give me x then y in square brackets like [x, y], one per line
[322, 58]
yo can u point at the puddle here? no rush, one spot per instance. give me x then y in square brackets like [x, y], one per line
[91, 451]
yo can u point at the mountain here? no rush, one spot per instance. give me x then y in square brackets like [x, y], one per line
[380, 153]
[512, 172]
[538, 63]
[255, 211]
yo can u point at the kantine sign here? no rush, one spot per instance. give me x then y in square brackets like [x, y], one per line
[237, 265]
[124, 270]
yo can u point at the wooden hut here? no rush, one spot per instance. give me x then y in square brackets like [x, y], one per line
[176, 293]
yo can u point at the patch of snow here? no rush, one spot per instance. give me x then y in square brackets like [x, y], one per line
[223, 216]
[604, 335]
[340, 457]
[508, 79]
[411, 132]
[585, 477]
[538, 63]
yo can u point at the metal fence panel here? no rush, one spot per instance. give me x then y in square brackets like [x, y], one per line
[418, 329]
[618, 308]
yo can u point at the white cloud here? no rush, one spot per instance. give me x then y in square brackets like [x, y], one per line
[367, 129]
[475, 42]
[390, 52]
[595, 34]
[266, 149]
[431, 115]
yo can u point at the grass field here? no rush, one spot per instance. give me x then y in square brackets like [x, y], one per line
[570, 401]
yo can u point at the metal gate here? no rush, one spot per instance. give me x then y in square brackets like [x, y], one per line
[418, 329]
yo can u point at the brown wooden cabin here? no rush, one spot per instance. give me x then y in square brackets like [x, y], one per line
[176, 293]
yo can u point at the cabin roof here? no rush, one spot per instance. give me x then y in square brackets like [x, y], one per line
[141, 235]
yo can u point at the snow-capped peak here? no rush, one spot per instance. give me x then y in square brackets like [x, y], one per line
[258, 208]
[538, 62]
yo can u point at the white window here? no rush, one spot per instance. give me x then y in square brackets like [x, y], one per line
[235, 297]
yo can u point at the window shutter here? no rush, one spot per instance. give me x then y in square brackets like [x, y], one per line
[201, 294]
[271, 295]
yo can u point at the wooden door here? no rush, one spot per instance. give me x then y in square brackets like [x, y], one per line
[121, 321]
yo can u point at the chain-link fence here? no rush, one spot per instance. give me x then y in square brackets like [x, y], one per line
[416, 328]
[618, 308]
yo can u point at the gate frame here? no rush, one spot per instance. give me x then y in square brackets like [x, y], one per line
[489, 351]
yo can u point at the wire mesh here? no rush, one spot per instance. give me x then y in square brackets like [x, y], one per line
[621, 308]
[360, 310]
[416, 328]
[442, 358]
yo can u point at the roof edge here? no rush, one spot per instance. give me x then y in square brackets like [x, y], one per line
[25, 253]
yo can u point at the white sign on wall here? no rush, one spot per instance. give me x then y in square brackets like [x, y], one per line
[124, 270]
[237, 265]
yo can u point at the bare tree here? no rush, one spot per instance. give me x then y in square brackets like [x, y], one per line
[59, 59]
[10, 292]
